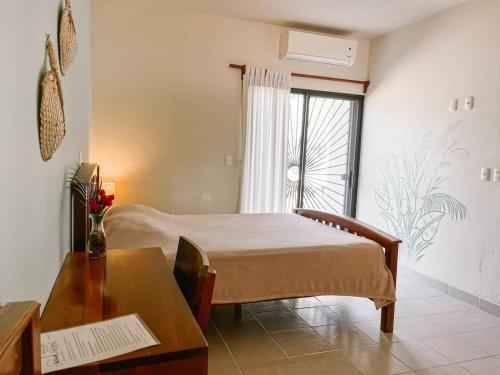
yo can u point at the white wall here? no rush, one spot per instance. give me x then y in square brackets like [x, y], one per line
[167, 106]
[34, 219]
[415, 72]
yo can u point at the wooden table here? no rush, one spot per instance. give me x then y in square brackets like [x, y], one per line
[129, 281]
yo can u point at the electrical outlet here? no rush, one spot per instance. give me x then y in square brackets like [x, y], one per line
[469, 103]
[453, 105]
[485, 174]
[496, 175]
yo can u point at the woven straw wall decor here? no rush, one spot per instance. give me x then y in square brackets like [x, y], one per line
[52, 122]
[67, 38]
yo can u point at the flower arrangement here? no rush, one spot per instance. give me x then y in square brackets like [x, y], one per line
[98, 201]
[98, 204]
[101, 203]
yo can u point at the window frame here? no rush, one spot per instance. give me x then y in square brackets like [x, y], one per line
[355, 133]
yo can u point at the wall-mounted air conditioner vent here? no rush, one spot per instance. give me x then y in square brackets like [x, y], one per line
[307, 47]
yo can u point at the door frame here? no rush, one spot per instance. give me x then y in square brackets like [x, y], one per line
[354, 145]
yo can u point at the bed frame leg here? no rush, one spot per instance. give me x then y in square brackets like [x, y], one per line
[237, 312]
[391, 259]
[387, 318]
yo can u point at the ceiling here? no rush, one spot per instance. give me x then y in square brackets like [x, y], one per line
[361, 18]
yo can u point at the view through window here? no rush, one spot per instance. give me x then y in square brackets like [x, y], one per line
[323, 151]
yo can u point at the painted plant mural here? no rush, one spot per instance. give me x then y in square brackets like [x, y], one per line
[411, 195]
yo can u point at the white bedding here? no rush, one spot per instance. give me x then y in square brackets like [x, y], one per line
[262, 256]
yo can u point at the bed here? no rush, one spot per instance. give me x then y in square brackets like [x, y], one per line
[262, 257]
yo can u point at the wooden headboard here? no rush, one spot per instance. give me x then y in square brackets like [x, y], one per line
[80, 217]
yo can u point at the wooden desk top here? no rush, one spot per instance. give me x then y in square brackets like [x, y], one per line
[125, 282]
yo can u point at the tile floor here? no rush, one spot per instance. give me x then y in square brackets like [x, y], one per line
[434, 335]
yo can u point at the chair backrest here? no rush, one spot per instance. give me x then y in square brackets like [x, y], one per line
[196, 280]
[20, 338]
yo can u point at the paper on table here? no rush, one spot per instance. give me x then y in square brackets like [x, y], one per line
[80, 345]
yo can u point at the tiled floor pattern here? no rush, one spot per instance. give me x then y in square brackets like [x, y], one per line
[434, 335]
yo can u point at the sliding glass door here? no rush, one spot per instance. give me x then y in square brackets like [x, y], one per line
[323, 151]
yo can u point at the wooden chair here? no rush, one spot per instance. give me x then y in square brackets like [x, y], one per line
[20, 339]
[195, 279]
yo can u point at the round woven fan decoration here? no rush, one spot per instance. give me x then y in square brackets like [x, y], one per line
[67, 38]
[52, 123]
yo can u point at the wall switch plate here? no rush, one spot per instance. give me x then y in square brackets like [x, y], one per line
[496, 175]
[485, 174]
[469, 103]
[228, 160]
[453, 105]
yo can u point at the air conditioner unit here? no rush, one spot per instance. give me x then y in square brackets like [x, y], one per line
[308, 47]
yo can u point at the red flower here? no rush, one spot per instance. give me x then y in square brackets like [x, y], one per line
[98, 204]
[94, 206]
[107, 200]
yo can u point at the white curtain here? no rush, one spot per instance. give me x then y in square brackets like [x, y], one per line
[266, 100]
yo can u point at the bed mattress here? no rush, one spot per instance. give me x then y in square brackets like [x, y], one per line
[262, 256]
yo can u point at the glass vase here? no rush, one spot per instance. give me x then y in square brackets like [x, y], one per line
[97, 238]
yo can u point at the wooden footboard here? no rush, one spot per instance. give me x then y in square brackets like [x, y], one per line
[388, 242]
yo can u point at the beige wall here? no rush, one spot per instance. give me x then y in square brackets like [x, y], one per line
[415, 72]
[167, 107]
[34, 220]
